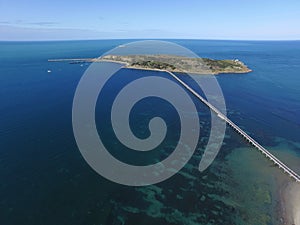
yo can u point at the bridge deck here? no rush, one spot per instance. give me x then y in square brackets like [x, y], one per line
[273, 158]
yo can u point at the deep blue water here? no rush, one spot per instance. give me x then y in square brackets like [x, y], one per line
[44, 179]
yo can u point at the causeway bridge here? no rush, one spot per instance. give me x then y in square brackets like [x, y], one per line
[264, 151]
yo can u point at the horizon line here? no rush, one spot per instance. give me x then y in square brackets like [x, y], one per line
[107, 39]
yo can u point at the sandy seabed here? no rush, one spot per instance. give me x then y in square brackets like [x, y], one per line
[292, 202]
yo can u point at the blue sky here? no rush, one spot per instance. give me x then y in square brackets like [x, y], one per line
[195, 19]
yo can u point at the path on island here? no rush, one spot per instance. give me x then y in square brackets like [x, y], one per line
[269, 155]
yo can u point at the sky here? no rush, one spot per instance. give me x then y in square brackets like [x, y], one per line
[163, 19]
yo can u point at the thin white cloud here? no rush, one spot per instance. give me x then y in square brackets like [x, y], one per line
[14, 33]
[26, 23]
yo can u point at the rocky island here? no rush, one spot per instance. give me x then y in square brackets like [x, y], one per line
[171, 63]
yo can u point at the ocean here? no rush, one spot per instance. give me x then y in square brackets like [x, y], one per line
[45, 180]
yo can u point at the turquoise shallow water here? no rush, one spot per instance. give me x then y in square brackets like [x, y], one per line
[46, 180]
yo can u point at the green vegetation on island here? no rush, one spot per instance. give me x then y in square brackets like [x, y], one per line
[179, 64]
[154, 65]
[171, 63]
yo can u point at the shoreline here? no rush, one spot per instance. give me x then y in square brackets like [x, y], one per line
[181, 72]
[288, 191]
[290, 204]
